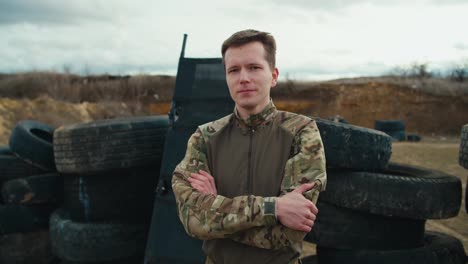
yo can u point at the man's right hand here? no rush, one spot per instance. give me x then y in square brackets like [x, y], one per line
[294, 211]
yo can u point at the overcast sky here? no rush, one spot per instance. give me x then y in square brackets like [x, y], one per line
[319, 39]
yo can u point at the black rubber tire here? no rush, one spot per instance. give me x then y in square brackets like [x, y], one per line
[12, 167]
[125, 195]
[37, 189]
[32, 141]
[348, 146]
[400, 190]
[21, 218]
[463, 157]
[413, 137]
[389, 125]
[338, 227]
[110, 144]
[393, 128]
[5, 150]
[94, 242]
[466, 196]
[26, 248]
[397, 135]
[338, 119]
[438, 248]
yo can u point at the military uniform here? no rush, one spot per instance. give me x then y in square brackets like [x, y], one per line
[253, 162]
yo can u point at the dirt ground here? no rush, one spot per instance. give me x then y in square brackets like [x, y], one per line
[438, 153]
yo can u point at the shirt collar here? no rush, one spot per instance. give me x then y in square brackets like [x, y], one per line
[255, 120]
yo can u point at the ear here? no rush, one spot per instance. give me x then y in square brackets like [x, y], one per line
[274, 74]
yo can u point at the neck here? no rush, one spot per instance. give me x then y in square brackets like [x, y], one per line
[244, 113]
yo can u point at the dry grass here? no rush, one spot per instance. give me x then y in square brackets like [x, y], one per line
[431, 85]
[56, 113]
[77, 89]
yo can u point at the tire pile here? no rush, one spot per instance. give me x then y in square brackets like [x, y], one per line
[30, 190]
[373, 211]
[396, 129]
[463, 158]
[393, 128]
[110, 169]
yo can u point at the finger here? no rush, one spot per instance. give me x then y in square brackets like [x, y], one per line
[198, 176]
[195, 180]
[196, 186]
[204, 173]
[314, 209]
[212, 188]
[311, 216]
[304, 187]
[200, 188]
[209, 177]
[309, 223]
[305, 228]
[201, 178]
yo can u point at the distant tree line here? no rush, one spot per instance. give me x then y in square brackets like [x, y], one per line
[458, 72]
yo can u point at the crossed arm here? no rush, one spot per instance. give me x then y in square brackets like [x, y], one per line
[266, 222]
[293, 210]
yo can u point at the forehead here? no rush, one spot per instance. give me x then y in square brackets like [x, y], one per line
[252, 52]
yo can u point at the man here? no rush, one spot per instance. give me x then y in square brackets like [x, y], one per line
[249, 181]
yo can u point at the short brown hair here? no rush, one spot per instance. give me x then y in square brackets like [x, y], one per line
[250, 35]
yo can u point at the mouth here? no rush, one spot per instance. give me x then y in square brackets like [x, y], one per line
[246, 91]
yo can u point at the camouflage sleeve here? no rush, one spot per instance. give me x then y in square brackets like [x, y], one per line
[307, 164]
[207, 216]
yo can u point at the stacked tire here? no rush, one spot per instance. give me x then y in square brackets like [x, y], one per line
[373, 211]
[110, 169]
[463, 158]
[394, 128]
[30, 190]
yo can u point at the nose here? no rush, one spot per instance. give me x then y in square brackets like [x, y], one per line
[244, 76]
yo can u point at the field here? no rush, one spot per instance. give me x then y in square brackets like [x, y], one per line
[438, 153]
[433, 108]
[60, 99]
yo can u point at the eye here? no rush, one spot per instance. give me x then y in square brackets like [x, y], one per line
[254, 67]
[232, 70]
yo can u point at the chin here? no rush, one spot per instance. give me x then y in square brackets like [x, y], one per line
[246, 105]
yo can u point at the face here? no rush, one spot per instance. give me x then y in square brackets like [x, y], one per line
[249, 77]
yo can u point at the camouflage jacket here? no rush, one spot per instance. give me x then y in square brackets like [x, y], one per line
[253, 161]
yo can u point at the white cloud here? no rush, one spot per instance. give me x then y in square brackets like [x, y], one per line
[315, 38]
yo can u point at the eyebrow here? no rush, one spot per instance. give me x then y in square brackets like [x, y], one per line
[232, 67]
[248, 64]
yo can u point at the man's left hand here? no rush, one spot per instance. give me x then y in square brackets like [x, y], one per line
[203, 182]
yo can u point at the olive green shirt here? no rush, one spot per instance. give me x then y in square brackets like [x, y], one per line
[253, 162]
